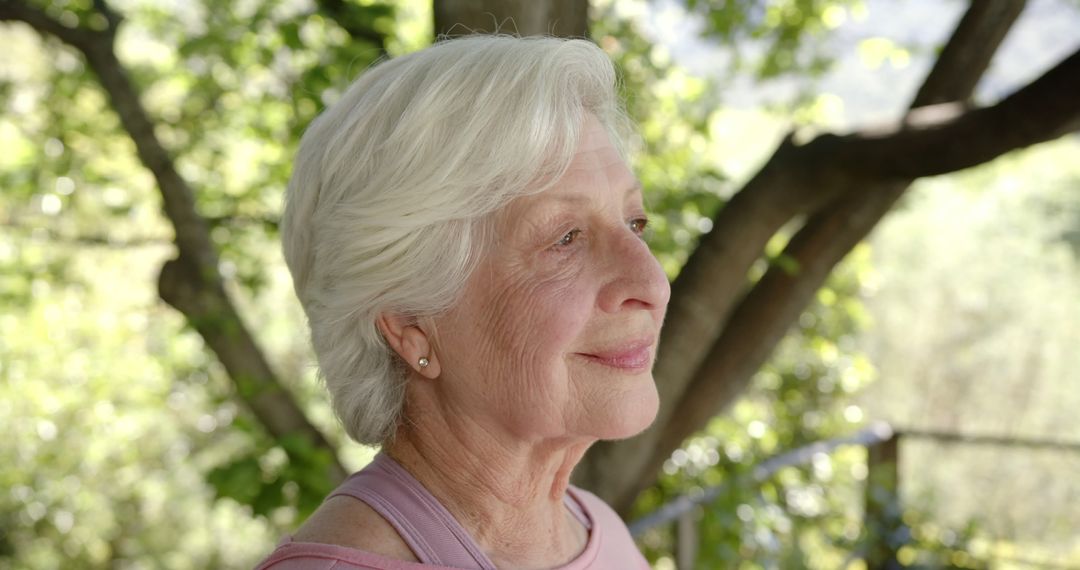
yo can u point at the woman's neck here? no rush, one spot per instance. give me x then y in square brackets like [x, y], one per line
[507, 495]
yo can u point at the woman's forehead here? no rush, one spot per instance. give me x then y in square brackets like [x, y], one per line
[596, 173]
[583, 192]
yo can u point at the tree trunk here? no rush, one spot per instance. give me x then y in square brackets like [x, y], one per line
[191, 282]
[565, 18]
[718, 333]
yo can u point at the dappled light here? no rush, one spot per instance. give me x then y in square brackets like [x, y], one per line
[815, 297]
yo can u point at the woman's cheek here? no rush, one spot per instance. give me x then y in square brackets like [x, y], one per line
[562, 307]
[548, 304]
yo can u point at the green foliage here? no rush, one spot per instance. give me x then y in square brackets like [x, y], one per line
[783, 36]
[110, 418]
[270, 476]
[810, 516]
[684, 187]
[977, 310]
[126, 443]
[119, 462]
[685, 130]
[806, 516]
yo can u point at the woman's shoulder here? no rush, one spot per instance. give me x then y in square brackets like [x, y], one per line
[345, 521]
[343, 533]
[292, 555]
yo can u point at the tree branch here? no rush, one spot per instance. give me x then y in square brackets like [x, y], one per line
[701, 298]
[563, 18]
[112, 18]
[341, 13]
[1043, 110]
[866, 193]
[12, 11]
[706, 354]
[966, 57]
[775, 302]
[191, 283]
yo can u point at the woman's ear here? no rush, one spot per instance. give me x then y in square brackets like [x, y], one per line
[410, 342]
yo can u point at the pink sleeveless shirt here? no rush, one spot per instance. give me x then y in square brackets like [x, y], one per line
[437, 539]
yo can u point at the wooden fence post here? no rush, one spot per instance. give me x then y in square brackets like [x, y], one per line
[882, 517]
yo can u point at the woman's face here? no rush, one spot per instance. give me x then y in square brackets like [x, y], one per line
[556, 333]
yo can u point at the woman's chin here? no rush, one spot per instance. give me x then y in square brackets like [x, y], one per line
[630, 414]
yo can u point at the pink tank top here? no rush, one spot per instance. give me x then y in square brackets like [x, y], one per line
[433, 534]
[437, 539]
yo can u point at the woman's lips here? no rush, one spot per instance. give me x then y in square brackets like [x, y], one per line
[636, 357]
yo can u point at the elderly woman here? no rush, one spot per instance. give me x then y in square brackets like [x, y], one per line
[465, 237]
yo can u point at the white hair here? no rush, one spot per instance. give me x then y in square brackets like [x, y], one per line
[393, 187]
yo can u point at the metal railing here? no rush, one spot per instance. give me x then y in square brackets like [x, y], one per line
[882, 514]
[683, 506]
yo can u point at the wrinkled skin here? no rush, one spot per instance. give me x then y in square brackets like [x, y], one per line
[569, 275]
[549, 349]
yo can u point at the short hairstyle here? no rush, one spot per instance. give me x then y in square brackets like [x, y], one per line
[393, 188]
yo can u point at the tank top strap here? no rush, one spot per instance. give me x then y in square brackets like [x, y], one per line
[576, 507]
[432, 533]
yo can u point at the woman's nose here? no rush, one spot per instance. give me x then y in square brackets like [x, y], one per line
[636, 279]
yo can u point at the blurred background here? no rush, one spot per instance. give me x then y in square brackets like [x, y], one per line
[127, 443]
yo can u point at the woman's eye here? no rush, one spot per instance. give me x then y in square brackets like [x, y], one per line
[638, 225]
[568, 238]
